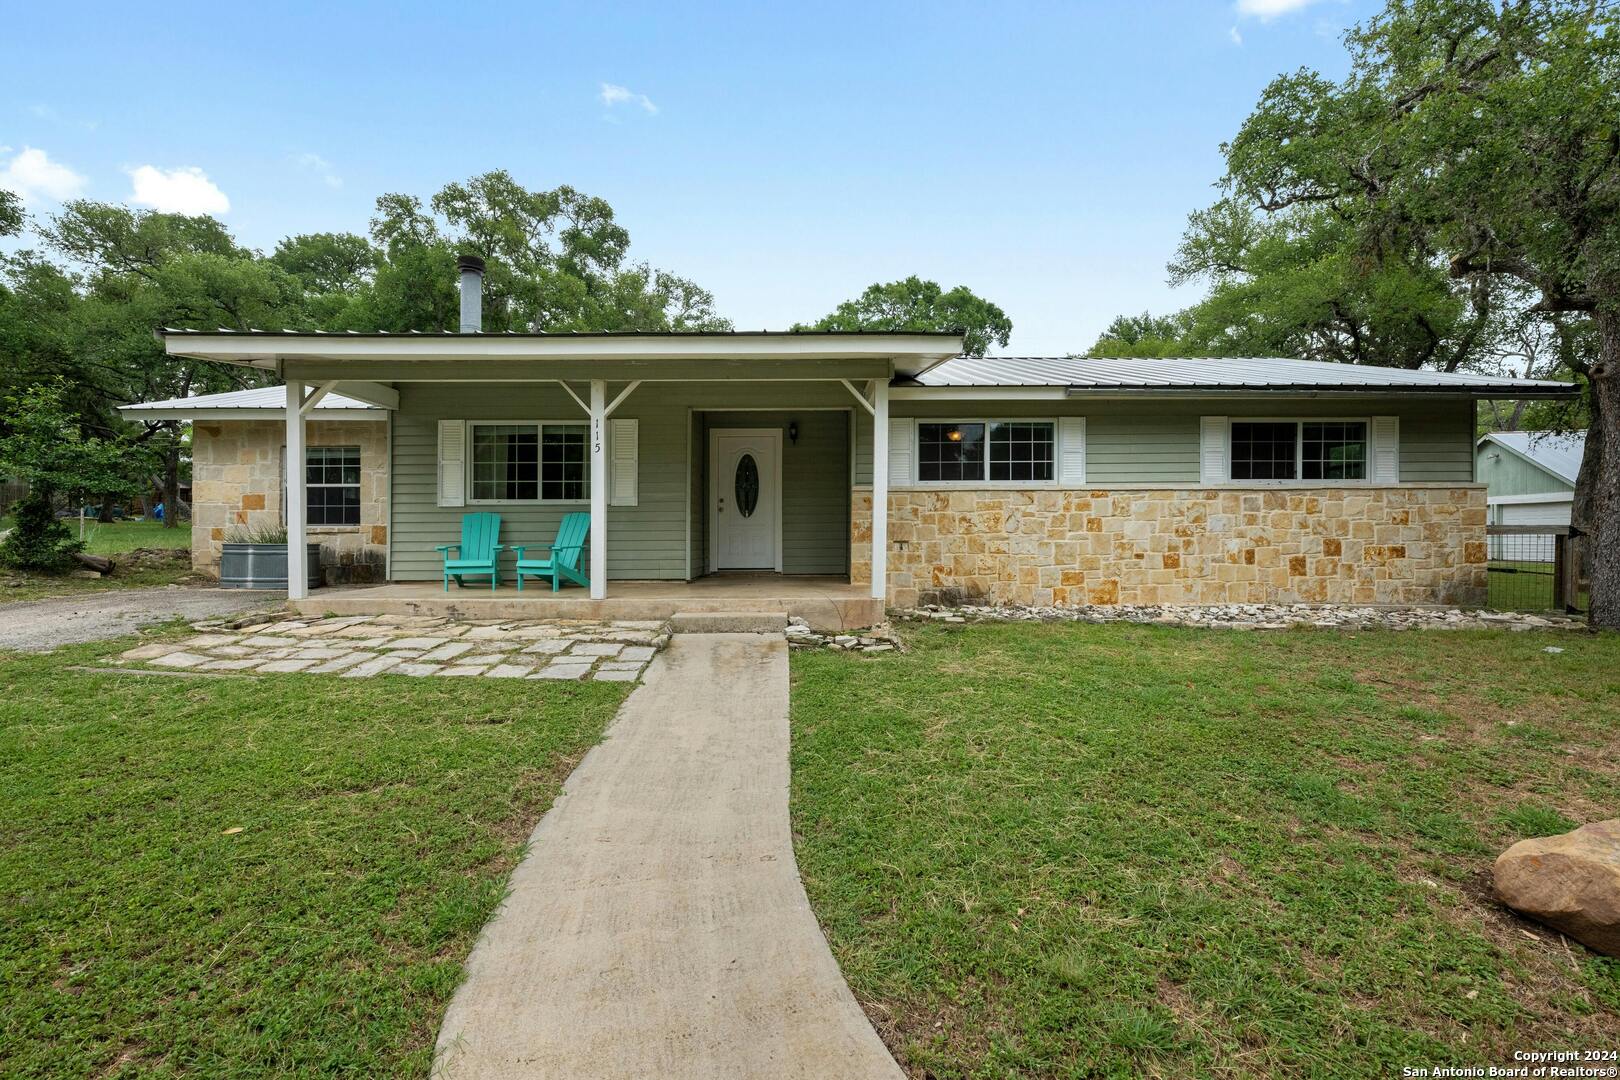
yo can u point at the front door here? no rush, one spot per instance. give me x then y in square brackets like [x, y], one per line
[745, 504]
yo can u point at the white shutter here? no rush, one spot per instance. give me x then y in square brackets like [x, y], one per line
[900, 453]
[623, 461]
[1213, 450]
[1072, 451]
[1386, 449]
[452, 462]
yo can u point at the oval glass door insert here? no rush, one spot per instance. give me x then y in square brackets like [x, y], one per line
[747, 485]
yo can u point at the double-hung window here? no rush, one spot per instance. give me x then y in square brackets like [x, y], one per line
[332, 485]
[529, 462]
[1000, 451]
[1299, 450]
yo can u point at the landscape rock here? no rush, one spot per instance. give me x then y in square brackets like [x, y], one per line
[1251, 616]
[1570, 881]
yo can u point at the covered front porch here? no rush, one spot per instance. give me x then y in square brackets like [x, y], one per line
[666, 442]
[829, 604]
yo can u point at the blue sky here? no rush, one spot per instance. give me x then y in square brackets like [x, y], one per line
[783, 156]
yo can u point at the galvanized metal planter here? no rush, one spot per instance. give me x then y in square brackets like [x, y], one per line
[262, 566]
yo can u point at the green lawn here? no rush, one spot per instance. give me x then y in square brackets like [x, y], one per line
[1069, 850]
[277, 876]
[110, 540]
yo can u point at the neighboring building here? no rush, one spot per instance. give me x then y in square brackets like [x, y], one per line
[1529, 479]
[238, 469]
[884, 460]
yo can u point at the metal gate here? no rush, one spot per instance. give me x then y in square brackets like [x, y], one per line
[1537, 568]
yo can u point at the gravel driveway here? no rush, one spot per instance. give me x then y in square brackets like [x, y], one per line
[42, 625]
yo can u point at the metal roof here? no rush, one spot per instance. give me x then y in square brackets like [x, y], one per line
[943, 335]
[1099, 374]
[1556, 452]
[247, 404]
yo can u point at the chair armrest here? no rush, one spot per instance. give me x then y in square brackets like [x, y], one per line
[569, 547]
[519, 549]
[448, 548]
[498, 547]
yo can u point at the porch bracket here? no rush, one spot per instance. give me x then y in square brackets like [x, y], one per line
[626, 392]
[314, 398]
[859, 396]
[577, 399]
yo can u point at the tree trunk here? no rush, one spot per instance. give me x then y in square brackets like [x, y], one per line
[171, 486]
[105, 515]
[1597, 495]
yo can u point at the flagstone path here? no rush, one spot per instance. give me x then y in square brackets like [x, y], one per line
[364, 646]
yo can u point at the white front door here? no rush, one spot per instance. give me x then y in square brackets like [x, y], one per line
[745, 498]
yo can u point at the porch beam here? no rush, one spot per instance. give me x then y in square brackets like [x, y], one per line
[498, 370]
[384, 397]
[297, 549]
[859, 396]
[626, 392]
[598, 411]
[880, 491]
[314, 398]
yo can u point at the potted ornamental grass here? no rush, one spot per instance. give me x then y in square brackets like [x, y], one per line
[256, 558]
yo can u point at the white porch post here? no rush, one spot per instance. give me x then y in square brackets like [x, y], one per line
[297, 549]
[599, 493]
[880, 490]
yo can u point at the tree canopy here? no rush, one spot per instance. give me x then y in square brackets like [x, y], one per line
[915, 304]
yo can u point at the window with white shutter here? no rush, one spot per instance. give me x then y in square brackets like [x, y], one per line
[900, 452]
[623, 462]
[452, 462]
[1214, 467]
[1072, 451]
[1386, 453]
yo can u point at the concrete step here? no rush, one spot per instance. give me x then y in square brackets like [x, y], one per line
[728, 622]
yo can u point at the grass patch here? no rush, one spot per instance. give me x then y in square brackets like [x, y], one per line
[278, 876]
[1069, 850]
[113, 540]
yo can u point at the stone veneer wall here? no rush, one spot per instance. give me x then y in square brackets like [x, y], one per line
[1406, 544]
[236, 468]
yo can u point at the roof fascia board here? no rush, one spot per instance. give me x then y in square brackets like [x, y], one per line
[1400, 390]
[908, 352]
[249, 414]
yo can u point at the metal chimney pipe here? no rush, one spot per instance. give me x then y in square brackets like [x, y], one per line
[472, 293]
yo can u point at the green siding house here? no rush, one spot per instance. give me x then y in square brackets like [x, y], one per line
[1529, 479]
[889, 468]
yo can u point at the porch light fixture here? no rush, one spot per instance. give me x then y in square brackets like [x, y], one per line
[955, 434]
[793, 431]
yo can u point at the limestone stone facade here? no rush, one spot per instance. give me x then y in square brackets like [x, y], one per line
[1402, 544]
[236, 478]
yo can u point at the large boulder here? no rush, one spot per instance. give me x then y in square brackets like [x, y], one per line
[1570, 881]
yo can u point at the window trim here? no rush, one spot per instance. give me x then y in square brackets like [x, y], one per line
[1299, 423]
[970, 485]
[360, 463]
[539, 426]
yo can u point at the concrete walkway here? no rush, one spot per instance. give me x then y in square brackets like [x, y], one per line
[42, 625]
[657, 927]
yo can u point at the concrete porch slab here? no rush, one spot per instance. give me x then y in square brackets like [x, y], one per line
[828, 604]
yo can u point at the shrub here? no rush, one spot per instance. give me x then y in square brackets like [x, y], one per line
[39, 542]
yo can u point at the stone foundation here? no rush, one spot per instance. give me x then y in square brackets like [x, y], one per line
[236, 477]
[1407, 544]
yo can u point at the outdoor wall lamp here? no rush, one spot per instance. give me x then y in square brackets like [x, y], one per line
[793, 431]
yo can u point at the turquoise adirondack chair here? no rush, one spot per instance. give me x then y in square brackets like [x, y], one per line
[478, 555]
[565, 552]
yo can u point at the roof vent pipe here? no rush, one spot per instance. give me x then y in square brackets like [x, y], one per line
[472, 293]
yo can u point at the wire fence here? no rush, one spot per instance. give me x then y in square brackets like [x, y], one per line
[1536, 568]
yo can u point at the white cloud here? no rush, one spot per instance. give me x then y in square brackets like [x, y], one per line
[320, 167]
[614, 94]
[33, 175]
[186, 190]
[1266, 10]
[1237, 38]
